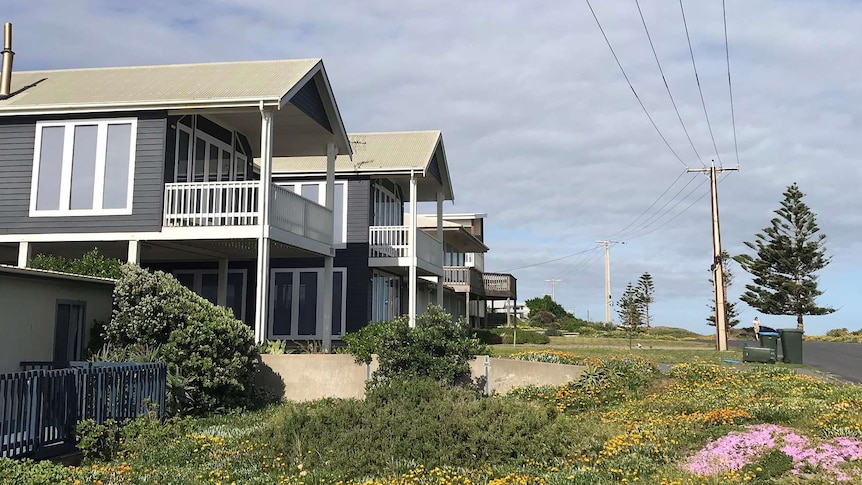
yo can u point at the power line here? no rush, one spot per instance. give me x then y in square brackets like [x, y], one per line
[579, 261]
[697, 78]
[637, 233]
[666, 86]
[651, 205]
[632, 87]
[659, 214]
[729, 84]
[540, 263]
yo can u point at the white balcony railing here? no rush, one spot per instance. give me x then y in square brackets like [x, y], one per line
[499, 284]
[197, 204]
[394, 242]
[296, 214]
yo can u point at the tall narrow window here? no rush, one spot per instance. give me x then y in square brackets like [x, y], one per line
[83, 167]
[117, 166]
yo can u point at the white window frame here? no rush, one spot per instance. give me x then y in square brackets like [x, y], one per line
[296, 188]
[66, 167]
[194, 133]
[197, 284]
[294, 314]
[387, 206]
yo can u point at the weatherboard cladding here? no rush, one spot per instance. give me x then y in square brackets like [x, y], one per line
[358, 210]
[17, 146]
[307, 99]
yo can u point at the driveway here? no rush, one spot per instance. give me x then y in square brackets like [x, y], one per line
[841, 359]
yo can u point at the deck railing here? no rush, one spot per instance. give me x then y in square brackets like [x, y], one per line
[463, 278]
[40, 408]
[394, 242]
[197, 204]
[499, 284]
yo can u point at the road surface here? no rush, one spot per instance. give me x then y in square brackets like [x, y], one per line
[841, 359]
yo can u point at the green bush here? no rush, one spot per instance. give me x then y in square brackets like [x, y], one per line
[201, 342]
[435, 348]
[488, 337]
[29, 472]
[91, 263]
[98, 441]
[411, 421]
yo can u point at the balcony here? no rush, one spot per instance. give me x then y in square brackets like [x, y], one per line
[464, 279]
[388, 247]
[229, 210]
[500, 286]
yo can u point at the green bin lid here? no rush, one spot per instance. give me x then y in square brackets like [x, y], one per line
[790, 330]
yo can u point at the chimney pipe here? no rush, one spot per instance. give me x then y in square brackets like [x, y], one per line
[6, 75]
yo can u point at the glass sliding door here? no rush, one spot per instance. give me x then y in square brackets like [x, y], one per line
[296, 303]
[204, 282]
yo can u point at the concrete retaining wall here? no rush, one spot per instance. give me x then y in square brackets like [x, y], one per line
[305, 377]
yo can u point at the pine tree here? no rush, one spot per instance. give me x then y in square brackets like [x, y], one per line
[630, 309]
[646, 291]
[788, 253]
[731, 313]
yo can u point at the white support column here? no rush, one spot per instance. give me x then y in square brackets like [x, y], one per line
[221, 295]
[467, 309]
[411, 285]
[442, 250]
[134, 255]
[328, 261]
[24, 254]
[263, 199]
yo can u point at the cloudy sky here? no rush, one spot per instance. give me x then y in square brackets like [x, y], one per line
[542, 131]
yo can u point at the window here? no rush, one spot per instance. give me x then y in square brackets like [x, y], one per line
[83, 168]
[296, 302]
[386, 296]
[205, 283]
[316, 191]
[69, 331]
[201, 157]
[388, 208]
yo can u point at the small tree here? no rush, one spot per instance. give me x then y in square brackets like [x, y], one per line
[788, 254]
[645, 293]
[731, 313]
[630, 310]
[546, 304]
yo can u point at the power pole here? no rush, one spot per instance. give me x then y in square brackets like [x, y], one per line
[717, 267]
[607, 245]
[553, 283]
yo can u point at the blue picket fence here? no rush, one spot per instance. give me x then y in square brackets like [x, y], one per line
[40, 406]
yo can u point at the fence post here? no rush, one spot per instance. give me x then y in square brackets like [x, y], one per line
[487, 375]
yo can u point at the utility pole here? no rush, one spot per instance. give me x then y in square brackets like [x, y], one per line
[717, 267]
[553, 283]
[607, 245]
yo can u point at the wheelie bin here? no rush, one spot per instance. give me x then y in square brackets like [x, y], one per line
[791, 345]
[769, 340]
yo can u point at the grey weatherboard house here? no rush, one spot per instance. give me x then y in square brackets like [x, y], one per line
[239, 178]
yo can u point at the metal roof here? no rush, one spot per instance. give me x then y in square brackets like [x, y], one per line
[164, 86]
[378, 153]
[372, 152]
[43, 273]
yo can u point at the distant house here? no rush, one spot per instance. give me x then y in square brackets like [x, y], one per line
[47, 316]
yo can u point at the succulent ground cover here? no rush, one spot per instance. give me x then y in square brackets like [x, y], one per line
[621, 422]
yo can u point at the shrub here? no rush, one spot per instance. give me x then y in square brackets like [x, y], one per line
[98, 441]
[369, 340]
[488, 337]
[92, 263]
[201, 342]
[435, 348]
[29, 472]
[553, 332]
[410, 421]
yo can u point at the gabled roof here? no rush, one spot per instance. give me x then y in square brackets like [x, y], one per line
[159, 86]
[386, 153]
[220, 85]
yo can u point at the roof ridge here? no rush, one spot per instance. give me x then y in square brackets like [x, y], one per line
[395, 132]
[189, 64]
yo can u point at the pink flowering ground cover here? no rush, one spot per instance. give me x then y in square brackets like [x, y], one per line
[740, 448]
